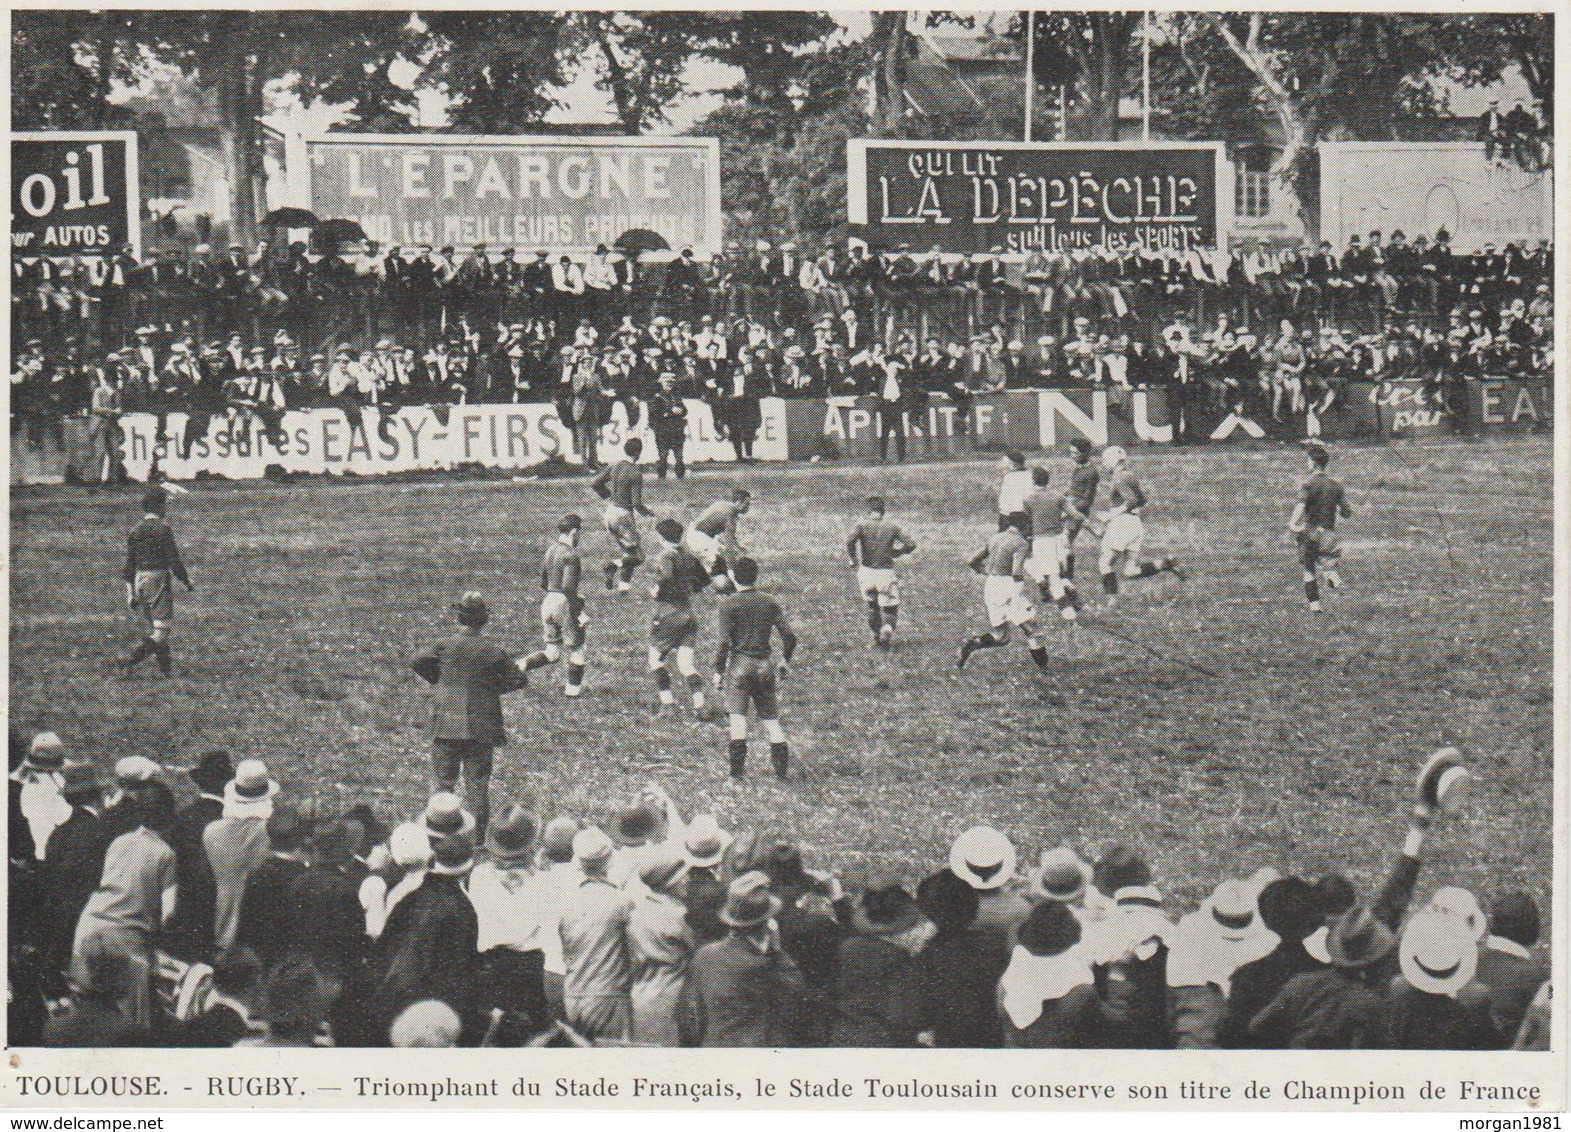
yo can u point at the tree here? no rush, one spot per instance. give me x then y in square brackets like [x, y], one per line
[496, 68]
[63, 67]
[1093, 48]
[1477, 50]
[340, 57]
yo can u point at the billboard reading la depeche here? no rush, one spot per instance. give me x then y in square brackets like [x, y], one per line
[74, 193]
[555, 194]
[971, 196]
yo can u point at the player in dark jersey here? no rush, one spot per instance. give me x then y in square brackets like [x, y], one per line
[621, 485]
[1124, 532]
[562, 616]
[1050, 512]
[678, 576]
[152, 566]
[745, 669]
[1002, 562]
[712, 536]
[1321, 501]
[874, 545]
[1083, 481]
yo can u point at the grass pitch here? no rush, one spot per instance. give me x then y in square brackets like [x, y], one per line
[1298, 752]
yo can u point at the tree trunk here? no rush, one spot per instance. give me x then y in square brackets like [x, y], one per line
[240, 109]
[893, 42]
[617, 79]
[1100, 61]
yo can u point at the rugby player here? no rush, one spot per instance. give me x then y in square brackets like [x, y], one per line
[562, 615]
[1083, 482]
[621, 485]
[678, 576]
[874, 545]
[1321, 501]
[1002, 562]
[1124, 532]
[745, 669]
[711, 537]
[152, 566]
[1050, 513]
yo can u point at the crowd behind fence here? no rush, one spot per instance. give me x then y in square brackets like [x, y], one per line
[280, 328]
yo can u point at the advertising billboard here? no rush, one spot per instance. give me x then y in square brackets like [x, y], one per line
[967, 197]
[560, 194]
[74, 193]
[1421, 187]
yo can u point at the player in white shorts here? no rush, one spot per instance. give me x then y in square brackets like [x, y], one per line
[874, 545]
[711, 537]
[1002, 562]
[1123, 530]
[1051, 513]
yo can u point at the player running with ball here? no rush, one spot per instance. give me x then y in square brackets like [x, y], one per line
[1003, 563]
[678, 576]
[1321, 501]
[1123, 531]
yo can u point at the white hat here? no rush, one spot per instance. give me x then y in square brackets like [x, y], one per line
[983, 858]
[705, 843]
[133, 770]
[1436, 953]
[1461, 903]
[251, 785]
[591, 845]
[409, 844]
[1232, 905]
[1112, 456]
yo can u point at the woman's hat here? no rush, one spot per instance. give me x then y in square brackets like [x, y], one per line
[445, 816]
[885, 908]
[45, 753]
[1437, 954]
[251, 784]
[1358, 939]
[511, 835]
[748, 902]
[705, 842]
[212, 772]
[1060, 875]
[983, 858]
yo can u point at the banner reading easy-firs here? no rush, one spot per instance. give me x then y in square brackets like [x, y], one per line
[372, 442]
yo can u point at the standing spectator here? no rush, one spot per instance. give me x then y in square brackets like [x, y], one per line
[1507, 963]
[598, 978]
[471, 675]
[427, 950]
[744, 990]
[1047, 997]
[661, 946]
[511, 906]
[985, 859]
[877, 1000]
[42, 805]
[134, 898]
[1342, 1006]
[956, 972]
[325, 901]
[1436, 1003]
[1208, 946]
[269, 922]
[190, 932]
[237, 843]
[1289, 908]
[72, 867]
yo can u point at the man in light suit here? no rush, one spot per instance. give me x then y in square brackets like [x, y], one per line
[471, 675]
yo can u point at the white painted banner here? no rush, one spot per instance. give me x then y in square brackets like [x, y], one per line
[325, 442]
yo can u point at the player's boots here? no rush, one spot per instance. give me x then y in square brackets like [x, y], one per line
[966, 649]
[886, 634]
[1170, 564]
[610, 569]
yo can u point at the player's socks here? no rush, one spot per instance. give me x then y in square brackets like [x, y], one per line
[1069, 568]
[886, 635]
[625, 579]
[972, 644]
[875, 618]
[738, 753]
[144, 649]
[1067, 606]
[663, 684]
[1312, 594]
[611, 569]
[695, 685]
[1147, 569]
[575, 679]
[1110, 583]
[163, 657]
[891, 616]
[1039, 654]
[780, 758]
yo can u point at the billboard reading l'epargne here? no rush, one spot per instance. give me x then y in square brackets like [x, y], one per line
[552, 193]
[74, 193]
[971, 196]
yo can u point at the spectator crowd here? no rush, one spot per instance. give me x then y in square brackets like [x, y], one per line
[247, 916]
[1278, 330]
